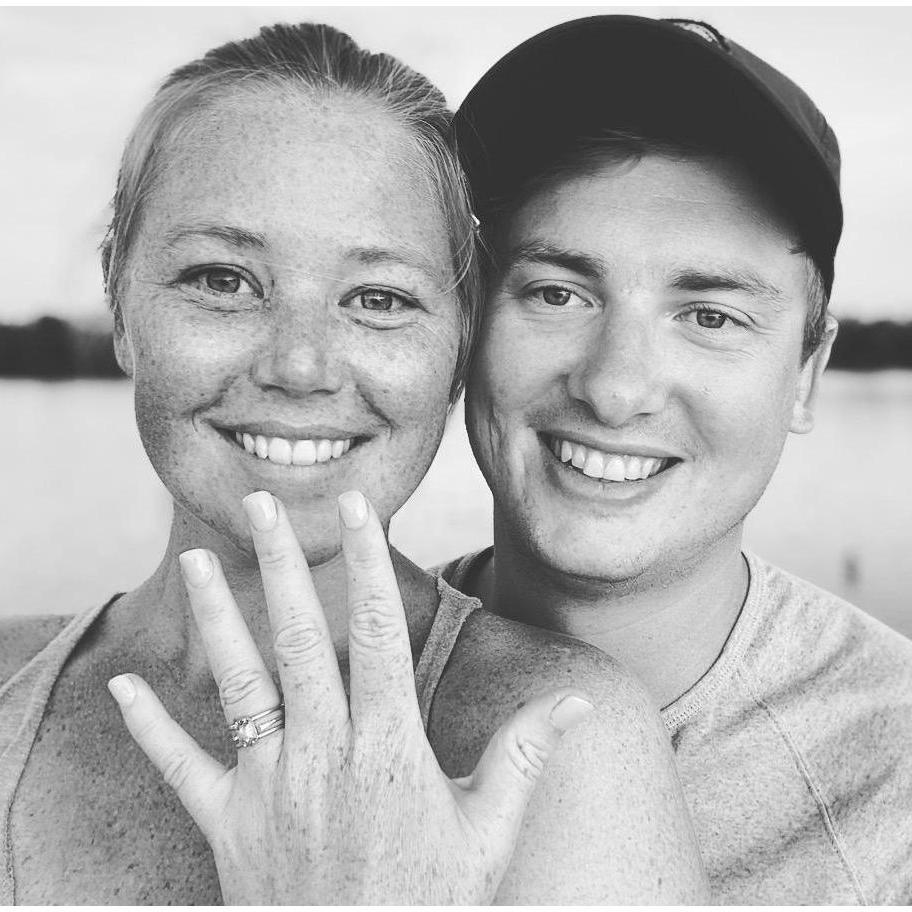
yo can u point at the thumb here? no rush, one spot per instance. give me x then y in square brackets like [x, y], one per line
[511, 764]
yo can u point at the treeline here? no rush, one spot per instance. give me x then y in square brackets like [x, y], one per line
[51, 348]
[55, 349]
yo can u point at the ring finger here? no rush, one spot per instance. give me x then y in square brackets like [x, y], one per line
[245, 686]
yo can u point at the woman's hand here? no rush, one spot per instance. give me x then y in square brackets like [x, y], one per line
[347, 805]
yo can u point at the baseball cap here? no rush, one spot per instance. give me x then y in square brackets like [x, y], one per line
[674, 80]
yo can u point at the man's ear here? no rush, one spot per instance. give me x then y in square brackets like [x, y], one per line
[123, 350]
[809, 380]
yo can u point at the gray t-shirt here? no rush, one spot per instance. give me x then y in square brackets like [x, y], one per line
[795, 750]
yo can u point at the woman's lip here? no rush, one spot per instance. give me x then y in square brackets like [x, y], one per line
[291, 432]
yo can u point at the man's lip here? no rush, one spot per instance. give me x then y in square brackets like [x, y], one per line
[291, 431]
[620, 447]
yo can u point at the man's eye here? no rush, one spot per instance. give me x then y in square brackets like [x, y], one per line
[221, 280]
[558, 296]
[706, 318]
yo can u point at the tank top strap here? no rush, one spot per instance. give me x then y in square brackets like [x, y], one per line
[23, 699]
[452, 610]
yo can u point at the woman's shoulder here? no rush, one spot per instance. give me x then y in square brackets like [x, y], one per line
[23, 637]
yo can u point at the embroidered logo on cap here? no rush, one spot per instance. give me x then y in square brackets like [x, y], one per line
[703, 29]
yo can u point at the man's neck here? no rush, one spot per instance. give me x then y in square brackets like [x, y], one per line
[668, 630]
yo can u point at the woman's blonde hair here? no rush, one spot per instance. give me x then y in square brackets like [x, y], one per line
[319, 58]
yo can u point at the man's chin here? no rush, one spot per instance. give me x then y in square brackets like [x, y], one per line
[588, 565]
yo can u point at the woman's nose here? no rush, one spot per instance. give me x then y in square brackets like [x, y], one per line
[301, 355]
[621, 374]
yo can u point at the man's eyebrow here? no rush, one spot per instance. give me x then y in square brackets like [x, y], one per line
[236, 237]
[584, 264]
[725, 280]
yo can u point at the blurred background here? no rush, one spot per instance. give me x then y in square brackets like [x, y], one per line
[85, 514]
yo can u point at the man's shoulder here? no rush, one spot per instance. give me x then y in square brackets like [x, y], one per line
[804, 626]
[839, 684]
[23, 637]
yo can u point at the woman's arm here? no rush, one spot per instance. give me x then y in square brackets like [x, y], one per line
[608, 822]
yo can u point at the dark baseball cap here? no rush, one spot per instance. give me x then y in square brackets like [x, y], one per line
[672, 80]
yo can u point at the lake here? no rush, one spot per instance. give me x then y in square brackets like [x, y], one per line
[85, 515]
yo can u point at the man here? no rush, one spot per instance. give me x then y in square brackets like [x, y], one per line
[662, 210]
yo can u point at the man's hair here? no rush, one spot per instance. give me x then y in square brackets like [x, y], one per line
[588, 155]
[319, 59]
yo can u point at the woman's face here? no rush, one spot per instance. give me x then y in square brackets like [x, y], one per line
[288, 296]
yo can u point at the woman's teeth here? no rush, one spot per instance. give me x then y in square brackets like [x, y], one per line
[292, 452]
[607, 466]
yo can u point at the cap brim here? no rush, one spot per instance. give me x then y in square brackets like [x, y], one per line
[640, 75]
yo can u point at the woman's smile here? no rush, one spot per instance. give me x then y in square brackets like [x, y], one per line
[289, 325]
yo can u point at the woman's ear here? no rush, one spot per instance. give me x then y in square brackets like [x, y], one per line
[809, 380]
[123, 349]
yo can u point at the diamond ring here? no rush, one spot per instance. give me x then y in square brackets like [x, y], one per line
[247, 730]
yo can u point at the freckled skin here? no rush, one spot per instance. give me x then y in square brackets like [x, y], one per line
[626, 358]
[317, 181]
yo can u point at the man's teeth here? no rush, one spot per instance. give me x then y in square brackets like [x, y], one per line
[609, 466]
[293, 452]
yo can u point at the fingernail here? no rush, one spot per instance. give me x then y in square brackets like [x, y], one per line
[353, 509]
[261, 510]
[122, 689]
[570, 711]
[196, 566]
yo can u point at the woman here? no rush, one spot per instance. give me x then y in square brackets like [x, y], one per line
[291, 272]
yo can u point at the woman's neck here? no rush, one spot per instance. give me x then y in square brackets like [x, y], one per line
[160, 607]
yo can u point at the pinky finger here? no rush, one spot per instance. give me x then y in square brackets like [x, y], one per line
[197, 779]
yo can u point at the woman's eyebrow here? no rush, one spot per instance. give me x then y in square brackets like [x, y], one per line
[369, 256]
[236, 237]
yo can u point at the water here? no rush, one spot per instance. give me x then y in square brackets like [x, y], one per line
[85, 515]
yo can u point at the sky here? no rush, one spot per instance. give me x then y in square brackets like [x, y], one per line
[73, 80]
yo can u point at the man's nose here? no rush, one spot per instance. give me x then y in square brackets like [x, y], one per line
[302, 352]
[621, 374]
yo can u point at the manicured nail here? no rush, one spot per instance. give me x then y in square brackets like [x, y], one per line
[353, 509]
[260, 508]
[196, 566]
[570, 711]
[122, 689]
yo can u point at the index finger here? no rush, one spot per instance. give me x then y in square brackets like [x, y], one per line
[382, 679]
[306, 658]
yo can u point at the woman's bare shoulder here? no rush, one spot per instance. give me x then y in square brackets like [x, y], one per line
[23, 637]
[498, 664]
[608, 811]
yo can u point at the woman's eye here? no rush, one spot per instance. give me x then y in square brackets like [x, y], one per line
[222, 281]
[377, 300]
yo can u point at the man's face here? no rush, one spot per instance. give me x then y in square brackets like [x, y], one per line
[639, 367]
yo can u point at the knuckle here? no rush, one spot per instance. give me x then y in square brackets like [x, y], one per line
[527, 755]
[275, 559]
[372, 625]
[176, 770]
[299, 641]
[237, 685]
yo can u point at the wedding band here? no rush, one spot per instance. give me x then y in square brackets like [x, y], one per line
[247, 730]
